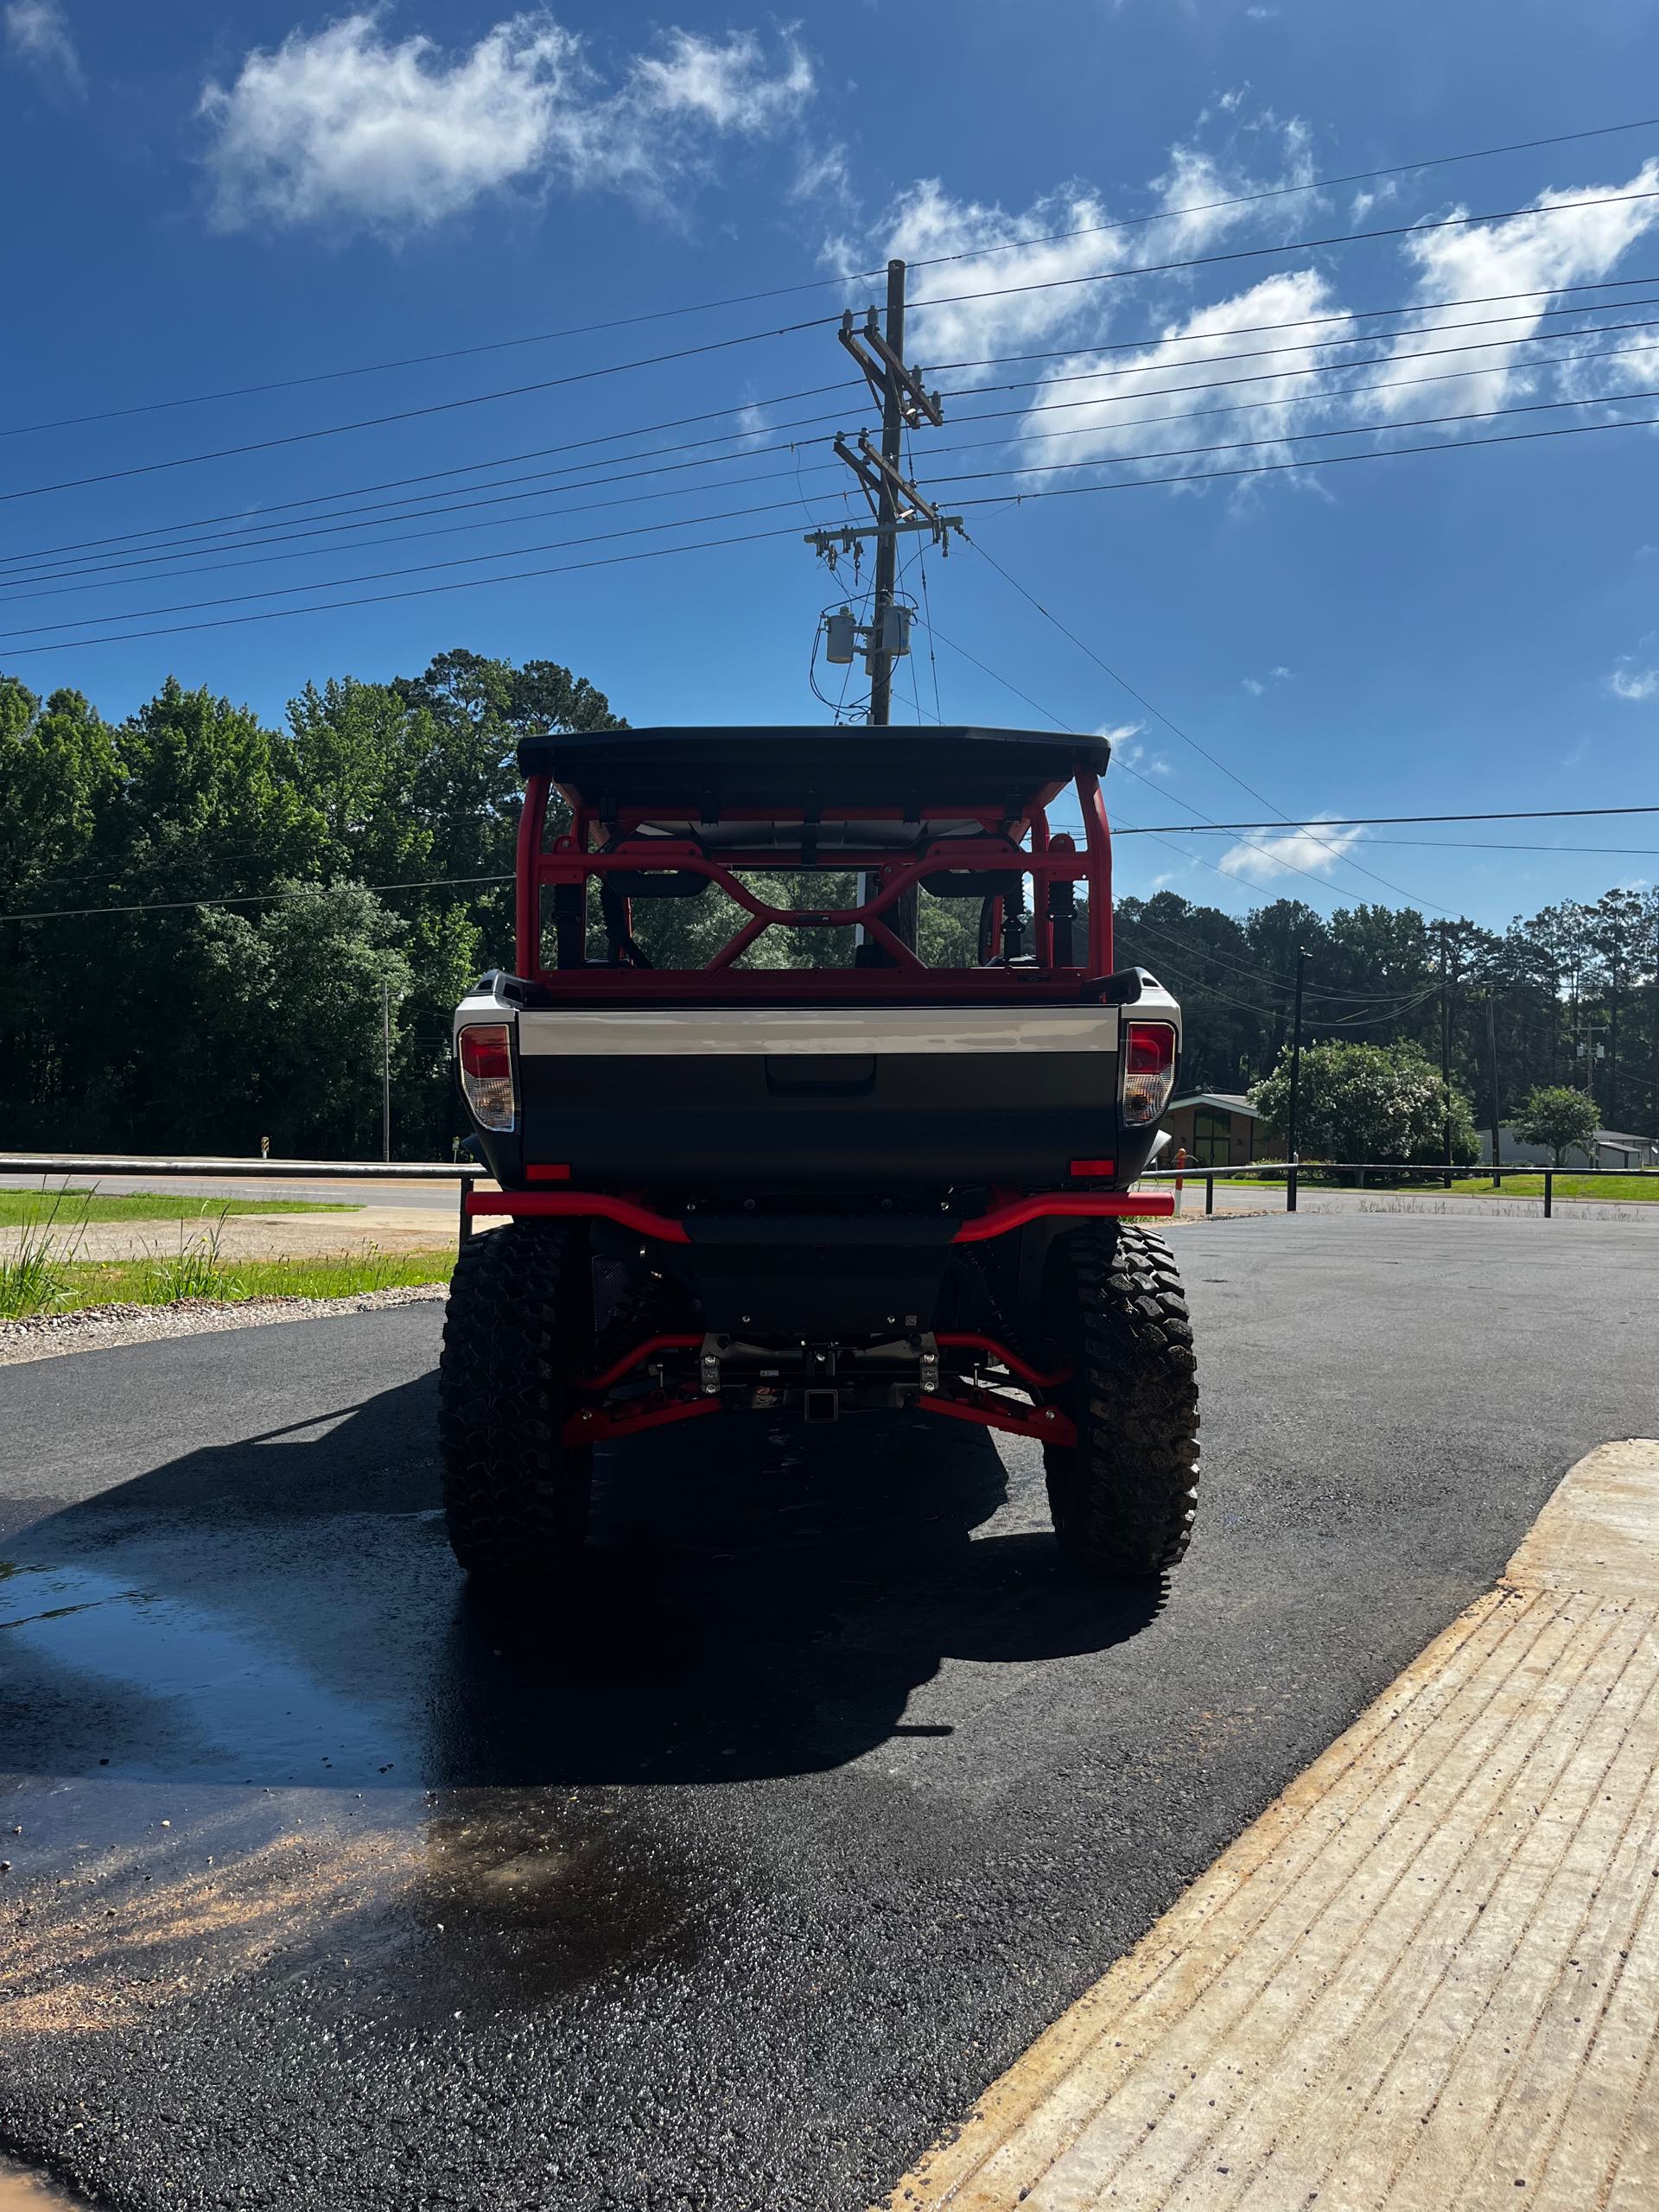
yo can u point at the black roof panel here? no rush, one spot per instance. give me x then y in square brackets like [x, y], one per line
[782, 765]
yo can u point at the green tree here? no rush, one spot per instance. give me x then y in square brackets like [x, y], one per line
[291, 1019]
[1364, 1103]
[1558, 1116]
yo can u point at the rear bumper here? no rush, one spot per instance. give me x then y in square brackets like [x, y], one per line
[996, 1221]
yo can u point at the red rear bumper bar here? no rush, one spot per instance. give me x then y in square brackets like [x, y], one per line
[587, 1203]
[1088, 1205]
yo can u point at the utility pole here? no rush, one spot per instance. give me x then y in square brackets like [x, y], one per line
[897, 506]
[1295, 1086]
[385, 1069]
[887, 543]
[1492, 1055]
[904, 919]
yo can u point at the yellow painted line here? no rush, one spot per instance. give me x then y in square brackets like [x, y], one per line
[1427, 1979]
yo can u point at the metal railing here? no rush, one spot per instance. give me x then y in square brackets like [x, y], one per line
[462, 1173]
[1293, 1173]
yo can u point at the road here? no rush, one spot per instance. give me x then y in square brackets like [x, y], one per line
[733, 1888]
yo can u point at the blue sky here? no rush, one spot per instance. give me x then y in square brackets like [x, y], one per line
[198, 201]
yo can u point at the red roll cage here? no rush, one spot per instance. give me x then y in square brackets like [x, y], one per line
[620, 840]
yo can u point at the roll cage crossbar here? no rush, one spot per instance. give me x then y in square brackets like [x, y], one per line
[1001, 842]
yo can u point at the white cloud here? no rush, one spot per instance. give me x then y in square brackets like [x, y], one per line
[726, 87]
[1076, 240]
[1128, 751]
[1310, 846]
[1634, 683]
[37, 31]
[1237, 383]
[824, 176]
[352, 128]
[1147, 402]
[1535, 253]
[1253, 685]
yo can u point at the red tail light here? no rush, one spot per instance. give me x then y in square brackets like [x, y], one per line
[1149, 1069]
[485, 1050]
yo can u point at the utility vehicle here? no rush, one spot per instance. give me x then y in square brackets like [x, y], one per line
[821, 1192]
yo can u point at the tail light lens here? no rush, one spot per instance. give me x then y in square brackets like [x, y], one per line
[485, 1050]
[1149, 1069]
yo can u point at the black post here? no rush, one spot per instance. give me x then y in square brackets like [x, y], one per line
[1491, 1054]
[1209, 1194]
[466, 1218]
[1291, 1131]
[1549, 1192]
[1445, 1060]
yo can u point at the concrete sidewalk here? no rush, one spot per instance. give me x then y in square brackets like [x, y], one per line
[1428, 1978]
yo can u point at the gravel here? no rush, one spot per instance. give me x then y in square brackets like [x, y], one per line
[97, 1328]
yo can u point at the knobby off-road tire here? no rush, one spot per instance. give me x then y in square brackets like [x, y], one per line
[519, 1333]
[1125, 1497]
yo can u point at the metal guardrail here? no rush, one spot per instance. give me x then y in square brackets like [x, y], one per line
[462, 1174]
[1290, 1172]
[86, 1163]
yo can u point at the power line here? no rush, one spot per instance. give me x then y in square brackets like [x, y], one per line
[1394, 821]
[244, 898]
[1014, 499]
[1311, 321]
[1298, 437]
[59, 582]
[123, 575]
[719, 345]
[1318, 460]
[1293, 245]
[411, 413]
[425, 591]
[1186, 737]
[466, 468]
[1198, 950]
[820, 284]
[1430, 306]
[1285, 437]
[1484, 845]
[1048, 715]
[1282, 191]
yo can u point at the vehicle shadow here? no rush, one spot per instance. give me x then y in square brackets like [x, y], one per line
[761, 1602]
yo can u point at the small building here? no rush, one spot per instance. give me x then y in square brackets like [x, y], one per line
[1217, 1128]
[1608, 1148]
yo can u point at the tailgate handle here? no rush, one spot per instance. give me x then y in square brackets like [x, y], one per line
[820, 1075]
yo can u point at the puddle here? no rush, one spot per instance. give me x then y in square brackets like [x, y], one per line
[529, 1895]
[181, 1687]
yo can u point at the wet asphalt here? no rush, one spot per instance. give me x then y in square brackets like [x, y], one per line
[733, 1885]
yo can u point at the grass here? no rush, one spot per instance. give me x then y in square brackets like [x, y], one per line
[60, 1283]
[25, 1208]
[1611, 1189]
[1616, 1189]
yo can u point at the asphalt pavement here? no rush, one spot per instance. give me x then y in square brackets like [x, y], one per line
[735, 1885]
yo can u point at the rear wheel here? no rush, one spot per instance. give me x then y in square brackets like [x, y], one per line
[1125, 1496]
[518, 1334]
